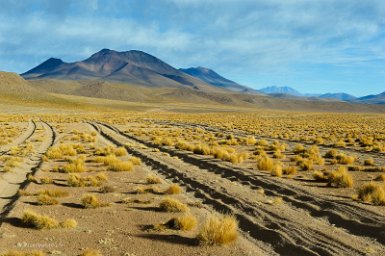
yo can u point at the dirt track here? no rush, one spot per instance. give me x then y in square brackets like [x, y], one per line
[14, 180]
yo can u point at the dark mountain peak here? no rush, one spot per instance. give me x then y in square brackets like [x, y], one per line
[46, 66]
[50, 63]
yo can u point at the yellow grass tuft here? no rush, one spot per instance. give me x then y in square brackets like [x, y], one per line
[76, 165]
[219, 230]
[135, 160]
[152, 179]
[92, 201]
[69, 223]
[39, 221]
[120, 151]
[47, 200]
[372, 193]
[290, 170]
[173, 189]
[173, 205]
[121, 166]
[265, 163]
[277, 170]
[186, 223]
[340, 178]
[53, 192]
[321, 175]
[46, 180]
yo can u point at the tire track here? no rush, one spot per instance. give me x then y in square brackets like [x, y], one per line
[19, 177]
[22, 138]
[283, 235]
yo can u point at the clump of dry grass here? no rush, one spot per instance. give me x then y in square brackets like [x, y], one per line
[135, 160]
[120, 166]
[146, 189]
[92, 201]
[46, 180]
[277, 170]
[218, 230]
[23, 192]
[120, 151]
[321, 175]
[76, 165]
[265, 163]
[372, 193]
[331, 154]
[75, 180]
[340, 178]
[31, 178]
[69, 223]
[173, 189]
[152, 179]
[173, 205]
[298, 149]
[344, 159]
[60, 151]
[250, 140]
[305, 164]
[38, 221]
[202, 149]
[91, 252]
[186, 223]
[53, 192]
[47, 200]
[290, 170]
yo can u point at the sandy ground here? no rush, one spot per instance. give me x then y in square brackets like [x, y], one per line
[277, 216]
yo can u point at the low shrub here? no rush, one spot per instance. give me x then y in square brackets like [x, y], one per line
[218, 230]
[372, 193]
[173, 205]
[185, 223]
[340, 178]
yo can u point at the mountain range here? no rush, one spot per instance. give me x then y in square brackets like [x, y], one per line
[288, 92]
[111, 73]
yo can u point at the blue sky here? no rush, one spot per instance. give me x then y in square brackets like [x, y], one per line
[312, 46]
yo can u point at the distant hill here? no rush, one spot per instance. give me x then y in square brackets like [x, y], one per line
[13, 88]
[211, 77]
[338, 96]
[280, 90]
[135, 67]
[373, 99]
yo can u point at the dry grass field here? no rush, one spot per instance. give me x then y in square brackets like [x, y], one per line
[169, 183]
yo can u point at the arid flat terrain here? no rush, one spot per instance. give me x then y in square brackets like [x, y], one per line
[102, 184]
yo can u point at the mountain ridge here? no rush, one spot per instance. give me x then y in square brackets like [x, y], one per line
[211, 77]
[136, 67]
